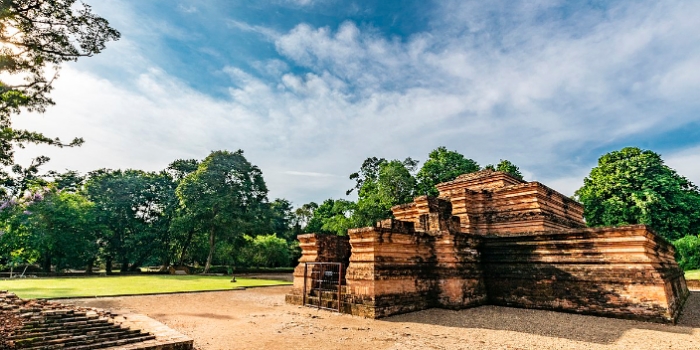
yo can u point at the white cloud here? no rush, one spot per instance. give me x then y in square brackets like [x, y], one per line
[686, 162]
[532, 92]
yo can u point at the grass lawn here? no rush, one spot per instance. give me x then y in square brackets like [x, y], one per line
[121, 285]
[692, 275]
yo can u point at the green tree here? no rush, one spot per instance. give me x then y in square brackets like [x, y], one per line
[266, 251]
[281, 217]
[688, 252]
[330, 210]
[36, 36]
[634, 186]
[392, 185]
[507, 167]
[57, 226]
[442, 166]
[183, 227]
[341, 219]
[302, 215]
[225, 196]
[132, 206]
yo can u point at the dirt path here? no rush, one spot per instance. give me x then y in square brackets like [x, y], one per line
[259, 319]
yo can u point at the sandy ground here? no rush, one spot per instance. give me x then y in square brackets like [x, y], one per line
[258, 318]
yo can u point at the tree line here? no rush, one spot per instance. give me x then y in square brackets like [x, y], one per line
[192, 211]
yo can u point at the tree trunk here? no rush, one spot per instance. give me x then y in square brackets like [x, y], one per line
[184, 248]
[89, 267]
[108, 265]
[211, 251]
[125, 265]
[47, 263]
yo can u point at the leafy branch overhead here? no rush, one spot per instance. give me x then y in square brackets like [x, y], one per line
[36, 36]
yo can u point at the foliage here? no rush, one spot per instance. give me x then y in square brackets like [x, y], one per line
[341, 219]
[133, 210]
[634, 186]
[225, 196]
[507, 167]
[392, 184]
[39, 35]
[51, 226]
[303, 215]
[281, 219]
[442, 166]
[333, 211]
[266, 251]
[688, 252]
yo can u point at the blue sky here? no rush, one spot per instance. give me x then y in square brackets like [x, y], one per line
[310, 88]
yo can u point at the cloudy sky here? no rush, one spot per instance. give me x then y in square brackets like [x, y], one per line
[310, 88]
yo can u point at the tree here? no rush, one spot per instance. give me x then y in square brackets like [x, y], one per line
[688, 252]
[281, 217]
[266, 251]
[54, 226]
[225, 196]
[392, 185]
[442, 166]
[37, 35]
[302, 215]
[132, 207]
[634, 186]
[507, 167]
[330, 211]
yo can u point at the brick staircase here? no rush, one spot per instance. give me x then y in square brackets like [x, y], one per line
[49, 325]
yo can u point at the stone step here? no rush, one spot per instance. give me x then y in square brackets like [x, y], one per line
[90, 342]
[60, 337]
[59, 330]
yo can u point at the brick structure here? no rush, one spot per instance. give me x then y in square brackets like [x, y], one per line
[39, 324]
[490, 238]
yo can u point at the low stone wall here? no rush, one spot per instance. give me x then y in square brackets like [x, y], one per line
[624, 272]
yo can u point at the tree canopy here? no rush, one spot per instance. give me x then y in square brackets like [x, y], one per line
[442, 166]
[225, 196]
[37, 36]
[634, 186]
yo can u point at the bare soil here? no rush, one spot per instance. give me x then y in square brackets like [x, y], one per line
[258, 318]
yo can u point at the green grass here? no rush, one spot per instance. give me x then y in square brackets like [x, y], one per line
[124, 285]
[692, 275]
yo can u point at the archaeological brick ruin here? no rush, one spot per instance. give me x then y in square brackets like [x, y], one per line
[39, 324]
[491, 239]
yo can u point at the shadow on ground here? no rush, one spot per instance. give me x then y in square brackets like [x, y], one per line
[552, 324]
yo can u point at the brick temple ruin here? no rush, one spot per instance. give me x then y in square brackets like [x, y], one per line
[491, 239]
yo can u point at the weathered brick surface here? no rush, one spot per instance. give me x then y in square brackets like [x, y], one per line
[317, 248]
[626, 272]
[491, 238]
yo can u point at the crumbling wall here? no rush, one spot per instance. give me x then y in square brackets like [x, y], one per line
[317, 248]
[624, 272]
[400, 266]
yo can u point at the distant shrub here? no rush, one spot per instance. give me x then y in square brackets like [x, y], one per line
[688, 252]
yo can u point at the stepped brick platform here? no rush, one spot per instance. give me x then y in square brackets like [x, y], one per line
[36, 324]
[490, 238]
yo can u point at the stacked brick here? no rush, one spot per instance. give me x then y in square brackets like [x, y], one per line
[624, 272]
[317, 248]
[47, 325]
[490, 238]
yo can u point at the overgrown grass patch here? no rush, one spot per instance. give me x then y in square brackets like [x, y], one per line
[125, 285]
